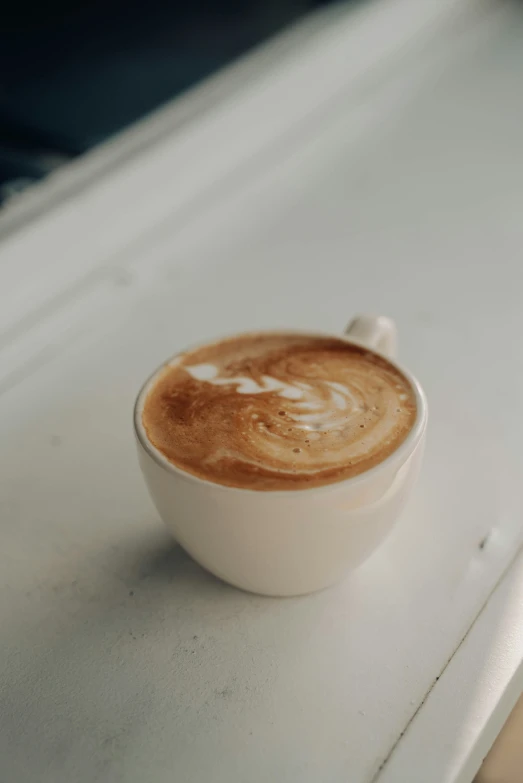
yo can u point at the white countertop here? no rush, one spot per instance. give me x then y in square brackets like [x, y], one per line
[123, 660]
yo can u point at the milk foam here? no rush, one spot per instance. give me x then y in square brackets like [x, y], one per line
[319, 409]
[279, 411]
[209, 373]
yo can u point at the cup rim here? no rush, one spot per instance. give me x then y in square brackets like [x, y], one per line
[400, 455]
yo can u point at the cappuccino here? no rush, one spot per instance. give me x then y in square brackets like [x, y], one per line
[278, 411]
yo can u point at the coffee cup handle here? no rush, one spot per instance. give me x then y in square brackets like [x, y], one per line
[376, 332]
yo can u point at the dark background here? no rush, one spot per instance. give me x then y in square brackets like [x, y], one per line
[73, 74]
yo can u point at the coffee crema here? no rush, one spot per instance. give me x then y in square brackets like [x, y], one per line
[278, 411]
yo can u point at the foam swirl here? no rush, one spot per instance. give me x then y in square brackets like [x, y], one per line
[279, 411]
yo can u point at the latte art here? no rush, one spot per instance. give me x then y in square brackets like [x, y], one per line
[313, 408]
[279, 411]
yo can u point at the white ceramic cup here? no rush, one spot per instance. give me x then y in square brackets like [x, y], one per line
[287, 542]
